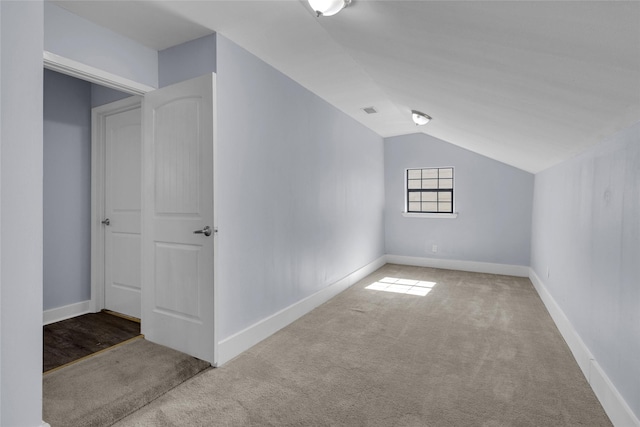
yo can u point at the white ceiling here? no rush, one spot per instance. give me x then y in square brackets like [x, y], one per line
[526, 83]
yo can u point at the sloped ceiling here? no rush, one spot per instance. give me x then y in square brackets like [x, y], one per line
[526, 83]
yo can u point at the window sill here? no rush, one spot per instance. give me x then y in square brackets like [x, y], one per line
[430, 215]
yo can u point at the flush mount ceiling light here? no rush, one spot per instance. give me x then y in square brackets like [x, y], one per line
[420, 118]
[328, 7]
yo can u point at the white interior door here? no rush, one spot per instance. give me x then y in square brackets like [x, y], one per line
[177, 292]
[122, 212]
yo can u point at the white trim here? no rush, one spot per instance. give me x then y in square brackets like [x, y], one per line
[66, 312]
[216, 191]
[45, 424]
[579, 349]
[430, 215]
[452, 264]
[91, 74]
[613, 403]
[99, 116]
[234, 345]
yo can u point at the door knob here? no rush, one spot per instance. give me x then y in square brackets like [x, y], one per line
[106, 222]
[206, 231]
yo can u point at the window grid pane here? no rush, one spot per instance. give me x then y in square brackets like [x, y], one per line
[415, 183]
[414, 174]
[429, 207]
[445, 173]
[444, 207]
[430, 196]
[429, 183]
[445, 183]
[430, 190]
[429, 173]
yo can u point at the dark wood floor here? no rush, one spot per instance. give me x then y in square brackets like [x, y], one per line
[75, 338]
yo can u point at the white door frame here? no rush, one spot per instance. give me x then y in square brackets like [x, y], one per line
[99, 117]
[70, 67]
[91, 74]
[85, 72]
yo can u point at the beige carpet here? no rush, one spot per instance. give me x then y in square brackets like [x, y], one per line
[477, 350]
[102, 389]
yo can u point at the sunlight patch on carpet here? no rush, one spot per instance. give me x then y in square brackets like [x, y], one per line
[402, 286]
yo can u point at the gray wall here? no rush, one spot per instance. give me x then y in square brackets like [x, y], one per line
[101, 95]
[586, 235]
[493, 200]
[67, 170]
[67, 190]
[21, 213]
[187, 60]
[67, 186]
[293, 187]
[300, 191]
[78, 39]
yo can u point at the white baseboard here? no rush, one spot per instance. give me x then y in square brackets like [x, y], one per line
[579, 349]
[234, 345]
[66, 312]
[451, 264]
[613, 403]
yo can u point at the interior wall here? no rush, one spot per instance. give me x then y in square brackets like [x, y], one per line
[67, 190]
[493, 201]
[68, 170]
[67, 186]
[187, 60]
[586, 248]
[21, 44]
[76, 38]
[101, 95]
[299, 196]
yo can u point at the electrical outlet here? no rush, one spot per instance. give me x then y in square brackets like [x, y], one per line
[434, 248]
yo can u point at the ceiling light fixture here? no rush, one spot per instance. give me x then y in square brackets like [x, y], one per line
[328, 7]
[420, 118]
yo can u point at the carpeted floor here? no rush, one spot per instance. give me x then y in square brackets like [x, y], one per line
[78, 337]
[100, 390]
[474, 350]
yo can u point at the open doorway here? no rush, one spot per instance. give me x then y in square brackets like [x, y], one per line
[69, 212]
[116, 200]
[178, 257]
[177, 268]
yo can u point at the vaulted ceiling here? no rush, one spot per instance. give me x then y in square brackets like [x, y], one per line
[526, 83]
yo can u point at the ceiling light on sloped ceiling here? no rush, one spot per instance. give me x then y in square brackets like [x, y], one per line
[328, 7]
[420, 118]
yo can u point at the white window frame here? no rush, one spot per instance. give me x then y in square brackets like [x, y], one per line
[440, 215]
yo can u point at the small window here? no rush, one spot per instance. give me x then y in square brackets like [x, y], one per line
[430, 190]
